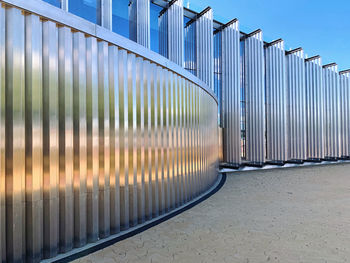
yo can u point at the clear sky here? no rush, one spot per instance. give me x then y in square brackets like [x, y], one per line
[320, 27]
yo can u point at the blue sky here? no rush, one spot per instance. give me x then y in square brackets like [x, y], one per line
[321, 27]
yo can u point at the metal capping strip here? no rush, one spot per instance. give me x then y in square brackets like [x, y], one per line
[62, 17]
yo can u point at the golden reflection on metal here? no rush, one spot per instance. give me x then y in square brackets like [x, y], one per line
[95, 139]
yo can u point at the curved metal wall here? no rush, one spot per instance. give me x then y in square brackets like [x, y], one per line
[95, 138]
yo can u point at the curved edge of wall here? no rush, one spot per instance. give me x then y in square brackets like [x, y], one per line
[99, 134]
[111, 240]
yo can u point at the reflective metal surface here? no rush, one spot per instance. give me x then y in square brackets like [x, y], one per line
[276, 103]
[229, 59]
[296, 105]
[199, 47]
[254, 66]
[332, 111]
[139, 14]
[314, 108]
[171, 24]
[96, 139]
[344, 84]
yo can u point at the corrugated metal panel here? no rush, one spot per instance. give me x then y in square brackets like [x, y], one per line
[171, 26]
[2, 134]
[314, 108]
[205, 47]
[296, 105]
[50, 139]
[92, 140]
[230, 61]
[79, 139]
[254, 67]
[332, 111]
[65, 83]
[276, 104]
[34, 156]
[117, 138]
[344, 80]
[139, 14]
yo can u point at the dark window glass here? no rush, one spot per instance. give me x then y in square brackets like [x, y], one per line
[87, 9]
[155, 31]
[56, 3]
[120, 17]
[186, 20]
[190, 48]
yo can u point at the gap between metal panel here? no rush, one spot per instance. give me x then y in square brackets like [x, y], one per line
[306, 163]
[106, 242]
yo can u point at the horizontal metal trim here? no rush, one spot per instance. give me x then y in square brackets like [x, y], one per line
[344, 71]
[62, 17]
[223, 26]
[294, 50]
[250, 34]
[312, 58]
[254, 32]
[274, 42]
[198, 15]
[330, 65]
[166, 6]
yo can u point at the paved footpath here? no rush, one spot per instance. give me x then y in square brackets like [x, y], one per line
[281, 215]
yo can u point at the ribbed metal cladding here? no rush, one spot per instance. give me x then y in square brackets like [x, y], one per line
[332, 111]
[344, 85]
[230, 63]
[314, 108]
[96, 139]
[276, 104]
[139, 16]
[296, 105]
[172, 32]
[205, 47]
[254, 68]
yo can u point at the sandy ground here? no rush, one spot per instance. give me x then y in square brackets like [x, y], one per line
[281, 215]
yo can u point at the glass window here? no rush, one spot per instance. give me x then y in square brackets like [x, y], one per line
[87, 9]
[120, 17]
[186, 20]
[56, 3]
[155, 30]
[190, 47]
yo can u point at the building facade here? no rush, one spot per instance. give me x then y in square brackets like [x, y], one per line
[111, 114]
